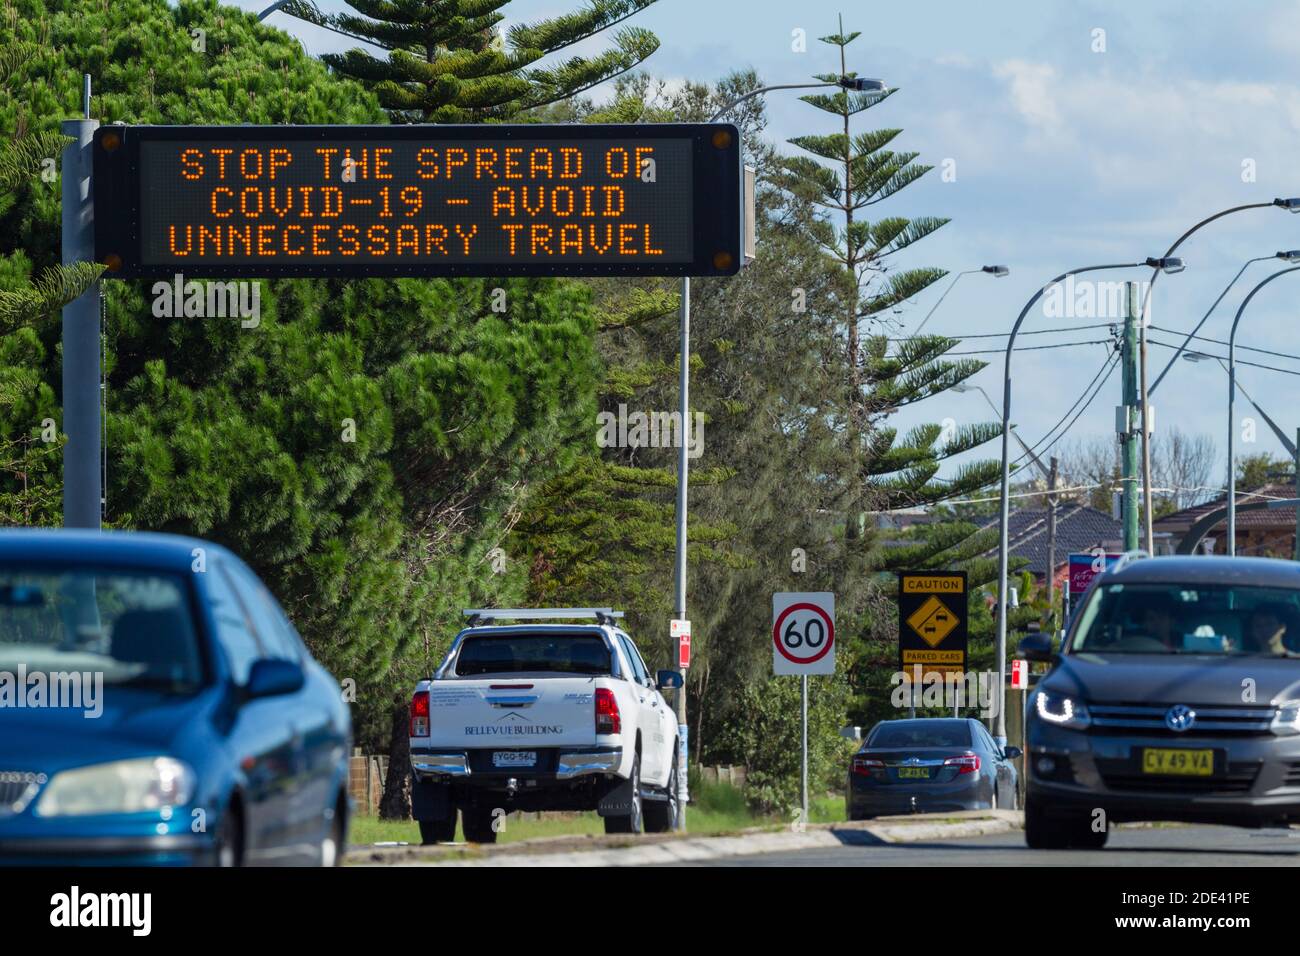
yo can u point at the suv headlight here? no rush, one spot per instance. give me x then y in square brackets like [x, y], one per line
[123, 786]
[1061, 710]
[1287, 718]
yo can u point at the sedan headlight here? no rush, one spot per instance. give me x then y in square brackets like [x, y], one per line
[1061, 710]
[1287, 719]
[123, 786]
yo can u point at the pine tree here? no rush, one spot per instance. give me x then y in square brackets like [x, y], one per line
[850, 174]
[23, 159]
[450, 62]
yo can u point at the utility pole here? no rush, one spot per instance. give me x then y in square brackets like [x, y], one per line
[1125, 417]
[679, 570]
[1051, 537]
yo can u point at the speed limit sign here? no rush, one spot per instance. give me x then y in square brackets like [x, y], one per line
[803, 632]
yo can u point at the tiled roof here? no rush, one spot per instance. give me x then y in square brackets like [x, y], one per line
[1078, 528]
[1264, 518]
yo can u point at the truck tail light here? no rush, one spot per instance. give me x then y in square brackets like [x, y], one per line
[420, 714]
[607, 718]
[866, 766]
[969, 763]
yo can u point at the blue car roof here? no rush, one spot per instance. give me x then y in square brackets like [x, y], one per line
[142, 549]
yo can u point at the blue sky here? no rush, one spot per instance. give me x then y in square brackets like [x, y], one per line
[1064, 157]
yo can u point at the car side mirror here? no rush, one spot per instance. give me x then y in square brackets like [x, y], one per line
[1037, 646]
[666, 679]
[273, 678]
[1011, 753]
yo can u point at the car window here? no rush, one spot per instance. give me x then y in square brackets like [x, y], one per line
[136, 628]
[1218, 619]
[518, 653]
[234, 629]
[921, 733]
[273, 631]
[633, 659]
[985, 741]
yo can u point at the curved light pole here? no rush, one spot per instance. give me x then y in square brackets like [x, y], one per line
[1292, 255]
[996, 271]
[1232, 394]
[278, 5]
[1163, 264]
[1290, 205]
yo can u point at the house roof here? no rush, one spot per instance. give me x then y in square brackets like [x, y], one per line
[1078, 528]
[1279, 519]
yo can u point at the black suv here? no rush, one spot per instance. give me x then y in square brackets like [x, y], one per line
[1176, 696]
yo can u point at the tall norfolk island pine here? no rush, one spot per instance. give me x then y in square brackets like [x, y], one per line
[450, 62]
[851, 174]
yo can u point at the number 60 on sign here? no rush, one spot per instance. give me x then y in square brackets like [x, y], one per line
[803, 632]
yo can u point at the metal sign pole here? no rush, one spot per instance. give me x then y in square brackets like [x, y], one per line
[683, 468]
[82, 494]
[804, 818]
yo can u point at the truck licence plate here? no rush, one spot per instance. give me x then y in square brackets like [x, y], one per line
[514, 758]
[1189, 763]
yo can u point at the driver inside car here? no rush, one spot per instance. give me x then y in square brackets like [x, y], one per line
[1271, 629]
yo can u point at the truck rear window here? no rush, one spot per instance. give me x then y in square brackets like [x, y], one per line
[523, 653]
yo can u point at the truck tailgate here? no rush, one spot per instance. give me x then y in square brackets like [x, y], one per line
[512, 713]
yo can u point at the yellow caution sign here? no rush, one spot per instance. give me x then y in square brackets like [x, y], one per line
[933, 621]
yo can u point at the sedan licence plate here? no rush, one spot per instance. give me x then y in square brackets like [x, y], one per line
[514, 758]
[910, 772]
[1189, 763]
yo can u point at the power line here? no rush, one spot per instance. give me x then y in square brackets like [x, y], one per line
[1033, 348]
[1107, 367]
[1003, 335]
[1224, 358]
[1100, 385]
[1245, 348]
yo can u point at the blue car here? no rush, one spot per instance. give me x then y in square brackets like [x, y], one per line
[157, 707]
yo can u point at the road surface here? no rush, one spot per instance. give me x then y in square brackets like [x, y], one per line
[1128, 846]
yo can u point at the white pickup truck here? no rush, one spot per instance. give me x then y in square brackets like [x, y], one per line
[543, 715]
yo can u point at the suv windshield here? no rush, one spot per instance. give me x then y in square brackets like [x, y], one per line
[134, 628]
[522, 653]
[1190, 619]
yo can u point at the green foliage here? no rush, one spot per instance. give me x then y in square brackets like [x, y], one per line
[449, 61]
[244, 435]
[763, 732]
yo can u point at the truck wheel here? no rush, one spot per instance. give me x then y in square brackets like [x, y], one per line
[661, 815]
[477, 824]
[629, 822]
[438, 831]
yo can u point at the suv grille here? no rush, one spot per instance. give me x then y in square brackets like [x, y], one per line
[1120, 775]
[1210, 720]
[17, 788]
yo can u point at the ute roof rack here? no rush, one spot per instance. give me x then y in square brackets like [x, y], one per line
[477, 616]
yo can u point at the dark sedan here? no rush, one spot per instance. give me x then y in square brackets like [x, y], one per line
[157, 707]
[930, 764]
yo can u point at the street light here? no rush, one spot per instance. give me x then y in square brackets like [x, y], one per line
[996, 271]
[1165, 264]
[851, 83]
[1290, 205]
[1232, 394]
[278, 5]
[1291, 255]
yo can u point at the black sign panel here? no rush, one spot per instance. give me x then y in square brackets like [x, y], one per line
[932, 619]
[249, 201]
